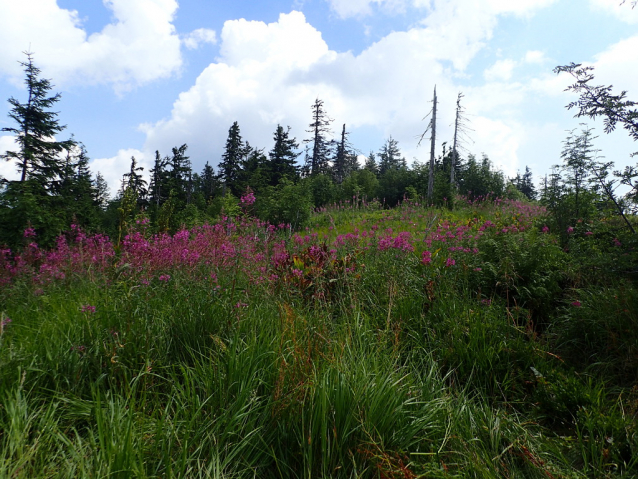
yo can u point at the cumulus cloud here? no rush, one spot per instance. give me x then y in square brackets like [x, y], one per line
[618, 65]
[500, 71]
[623, 11]
[271, 73]
[500, 141]
[202, 35]
[114, 167]
[139, 46]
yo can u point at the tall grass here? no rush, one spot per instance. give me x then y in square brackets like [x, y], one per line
[408, 343]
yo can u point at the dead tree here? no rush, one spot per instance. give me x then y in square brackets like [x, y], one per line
[432, 128]
[460, 134]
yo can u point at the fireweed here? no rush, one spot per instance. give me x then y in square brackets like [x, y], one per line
[257, 249]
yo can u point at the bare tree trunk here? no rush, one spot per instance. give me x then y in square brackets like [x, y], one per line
[432, 145]
[455, 152]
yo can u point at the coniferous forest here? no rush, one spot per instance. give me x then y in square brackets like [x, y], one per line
[304, 310]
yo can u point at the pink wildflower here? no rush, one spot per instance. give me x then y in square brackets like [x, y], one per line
[449, 262]
[545, 229]
[247, 199]
[87, 308]
[164, 277]
[576, 304]
[570, 230]
[426, 257]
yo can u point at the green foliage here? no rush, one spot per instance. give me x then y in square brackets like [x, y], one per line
[231, 162]
[393, 185]
[525, 184]
[322, 189]
[478, 179]
[362, 184]
[526, 272]
[289, 204]
[368, 364]
[282, 157]
[25, 205]
[229, 206]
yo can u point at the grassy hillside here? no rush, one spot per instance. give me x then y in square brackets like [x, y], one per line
[404, 343]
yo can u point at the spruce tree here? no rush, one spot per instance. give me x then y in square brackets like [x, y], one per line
[371, 164]
[254, 169]
[38, 157]
[135, 182]
[207, 184]
[31, 201]
[345, 162]
[76, 190]
[230, 166]
[319, 128]
[390, 157]
[180, 174]
[101, 195]
[282, 157]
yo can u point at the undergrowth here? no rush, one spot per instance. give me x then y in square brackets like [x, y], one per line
[405, 343]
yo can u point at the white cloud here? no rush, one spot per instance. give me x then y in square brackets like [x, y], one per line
[623, 11]
[139, 46]
[271, 73]
[534, 56]
[618, 65]
[113, 168]
[8, 169]
[500, 141]
[518, 7]
[360, 8]
[500, 71]
[202, 35]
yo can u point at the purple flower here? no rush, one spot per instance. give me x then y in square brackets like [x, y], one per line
[449, 262]
[426, 257]
[570, 230]
[87, 308]
[164, 277]
[545, 229]
[5, 321]
[248, 199]
[588, 233]
[576, 304]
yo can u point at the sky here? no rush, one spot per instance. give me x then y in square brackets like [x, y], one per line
[136, 76]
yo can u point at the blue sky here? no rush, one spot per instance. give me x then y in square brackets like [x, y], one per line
[143, 75]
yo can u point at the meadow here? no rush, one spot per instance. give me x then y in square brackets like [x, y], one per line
[396, 343]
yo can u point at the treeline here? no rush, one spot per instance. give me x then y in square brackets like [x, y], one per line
[282, 185]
